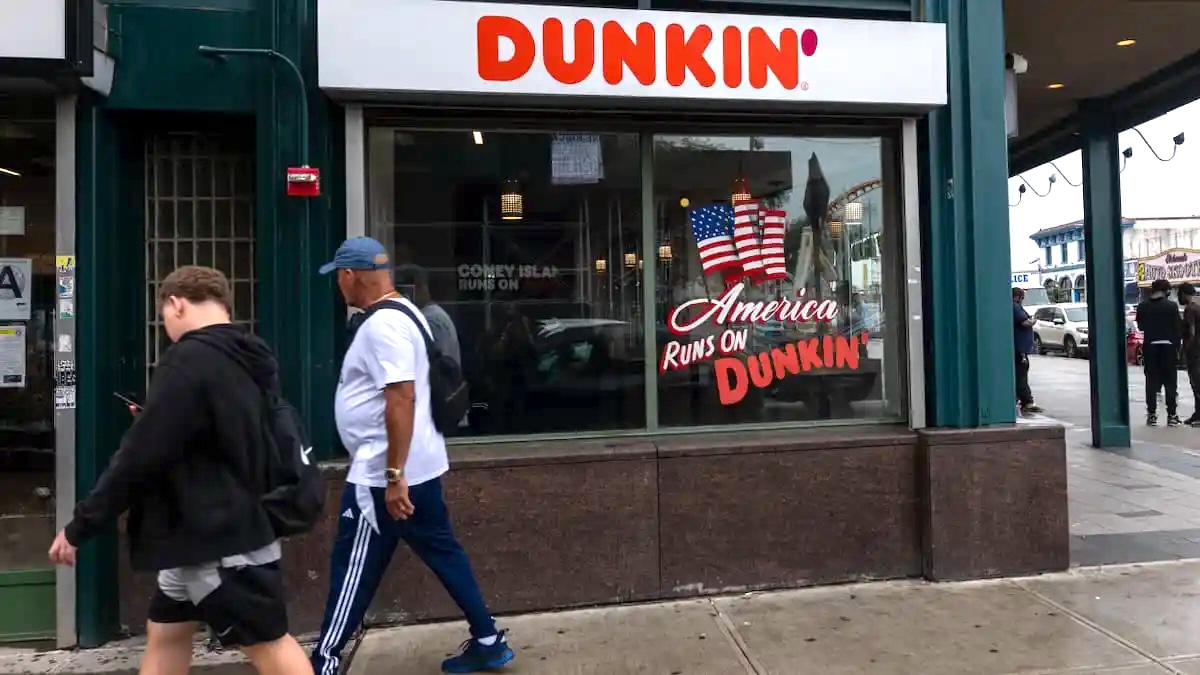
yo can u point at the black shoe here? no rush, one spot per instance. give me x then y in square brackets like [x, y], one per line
[1151, 420]
[1031, 408]
[1173, 420]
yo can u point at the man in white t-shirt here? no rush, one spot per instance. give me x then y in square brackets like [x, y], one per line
[393, 489]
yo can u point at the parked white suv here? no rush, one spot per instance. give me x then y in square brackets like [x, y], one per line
[1062, 328]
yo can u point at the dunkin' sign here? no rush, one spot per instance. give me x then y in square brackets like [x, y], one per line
[449, 48]
[742, 245]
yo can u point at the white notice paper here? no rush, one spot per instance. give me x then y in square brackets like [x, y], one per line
[12, 220]
[16, 283]
[12, 357]
[576, 159]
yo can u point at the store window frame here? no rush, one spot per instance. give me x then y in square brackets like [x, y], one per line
[906, 356]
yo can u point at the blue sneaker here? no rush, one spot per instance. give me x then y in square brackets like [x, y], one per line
[475, 656]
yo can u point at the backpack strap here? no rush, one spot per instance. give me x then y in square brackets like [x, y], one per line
[431, 347]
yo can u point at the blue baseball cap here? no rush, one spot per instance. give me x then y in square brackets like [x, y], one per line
[358, 253]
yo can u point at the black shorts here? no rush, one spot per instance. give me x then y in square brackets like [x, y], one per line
[244, 606]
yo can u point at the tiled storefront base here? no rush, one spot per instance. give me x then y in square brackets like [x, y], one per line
[552, 525]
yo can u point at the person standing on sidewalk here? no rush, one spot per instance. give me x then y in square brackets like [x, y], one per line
[1023, 346]
[1191, 344]
[393, 489]
[183, 472]
[1158, 319]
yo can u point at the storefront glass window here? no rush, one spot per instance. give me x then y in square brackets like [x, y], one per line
[27, 315]
[762, 222]
[525, 251]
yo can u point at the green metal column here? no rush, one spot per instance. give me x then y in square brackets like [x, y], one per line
[1105, 274]
[966, 238]
[299, 313]
[102, 286]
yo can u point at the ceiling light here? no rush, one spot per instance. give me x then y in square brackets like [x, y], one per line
[9, 172]
[1055, 85]
[478, 135]
[1126, 42]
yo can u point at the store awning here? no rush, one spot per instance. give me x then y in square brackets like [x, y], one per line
[1075, 43]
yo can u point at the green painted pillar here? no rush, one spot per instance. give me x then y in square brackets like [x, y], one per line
[299, 311]
[966, 252]
[102, 288]
[1104, 258]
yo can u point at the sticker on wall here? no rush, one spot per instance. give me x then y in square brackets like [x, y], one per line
[64, 344]
[65, 264]
[66, 309]
[12, 221]
[12, 357]
[64, 373]
[16, 274]
[66, 286]
[64, 398]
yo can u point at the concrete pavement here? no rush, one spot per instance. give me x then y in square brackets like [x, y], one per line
[1129, 620]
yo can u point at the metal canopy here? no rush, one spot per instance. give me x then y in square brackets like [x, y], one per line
[1074, 43]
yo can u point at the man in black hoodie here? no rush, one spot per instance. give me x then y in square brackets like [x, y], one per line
[191, 471]
[1158, 319]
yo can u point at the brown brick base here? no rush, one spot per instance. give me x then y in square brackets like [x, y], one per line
[561, 524]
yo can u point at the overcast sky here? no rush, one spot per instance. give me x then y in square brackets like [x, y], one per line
[1149, 188]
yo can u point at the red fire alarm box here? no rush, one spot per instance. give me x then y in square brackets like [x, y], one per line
[303, 181]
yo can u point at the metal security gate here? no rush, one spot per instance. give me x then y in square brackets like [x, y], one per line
[199, 211]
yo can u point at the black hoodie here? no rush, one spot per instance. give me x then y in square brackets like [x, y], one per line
[191, 469]
[1158, 319]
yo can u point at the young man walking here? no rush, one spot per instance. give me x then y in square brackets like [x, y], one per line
[393, 489]
[1158, 319]
[1023, 346]
[182, 472]
[1191, 344]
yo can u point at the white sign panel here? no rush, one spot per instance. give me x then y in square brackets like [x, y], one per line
[33, 29]
[16, 283]
[490, 48]
[12, 357]
[12, 220]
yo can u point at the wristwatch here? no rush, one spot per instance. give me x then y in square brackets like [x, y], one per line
[393, 475]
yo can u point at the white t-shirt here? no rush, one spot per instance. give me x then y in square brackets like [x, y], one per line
[387, 349]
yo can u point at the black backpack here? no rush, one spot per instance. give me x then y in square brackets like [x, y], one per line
[450, 397]
[293, 491]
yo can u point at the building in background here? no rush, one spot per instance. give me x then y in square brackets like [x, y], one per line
[1061, 264]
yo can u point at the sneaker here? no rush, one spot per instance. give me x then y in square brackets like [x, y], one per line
[1151, 420]
[1031, 408]
[1173, 420]
[475, 656]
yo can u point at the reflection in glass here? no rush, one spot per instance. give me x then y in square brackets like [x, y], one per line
[27, 245]
[524, 253]
[803, 227]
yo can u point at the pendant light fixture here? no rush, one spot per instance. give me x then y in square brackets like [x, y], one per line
[512, 204]
[741, 190]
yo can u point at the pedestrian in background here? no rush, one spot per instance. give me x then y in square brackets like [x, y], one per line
[1023, 344]
[1191, 346]
[1158, 319]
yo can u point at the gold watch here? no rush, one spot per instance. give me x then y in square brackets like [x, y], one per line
[393, 475]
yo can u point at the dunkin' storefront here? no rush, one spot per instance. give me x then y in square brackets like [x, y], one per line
[682, 255]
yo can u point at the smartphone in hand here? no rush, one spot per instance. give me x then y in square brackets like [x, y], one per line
[134, 406]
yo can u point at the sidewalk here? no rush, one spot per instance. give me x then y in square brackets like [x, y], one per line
[1124, 620]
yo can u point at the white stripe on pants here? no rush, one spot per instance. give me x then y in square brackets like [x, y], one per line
[354, 571]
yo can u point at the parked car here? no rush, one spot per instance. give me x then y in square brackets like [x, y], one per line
[1062, 328]
[1133, 343]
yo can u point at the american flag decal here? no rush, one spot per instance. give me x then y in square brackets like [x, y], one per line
[774, 226]
[746, 238]
[712, 228]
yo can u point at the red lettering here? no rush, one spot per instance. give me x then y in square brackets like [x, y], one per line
[786, 361]
[731, 56]
[760, 370]
[636, 53]
[686, 54]
[488, 32]
[810, 356]
[731, 379]
[782, 60]
[555, 51]
[847, 352]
